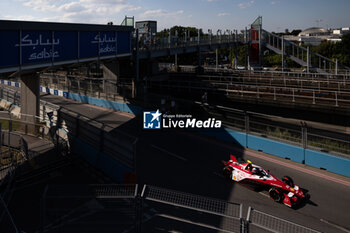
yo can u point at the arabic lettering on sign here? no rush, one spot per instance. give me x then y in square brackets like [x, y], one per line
[26, 41]
[38, 46]
[107, 49]
[44, 54]
[103, 39]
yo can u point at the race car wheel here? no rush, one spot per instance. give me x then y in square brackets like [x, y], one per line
[227, 172]
[275, 194]
[288, 180]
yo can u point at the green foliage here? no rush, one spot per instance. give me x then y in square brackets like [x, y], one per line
[180, 31]
[295, 32]
[340, 50]
[323, 143]
[5, 125]
[275, 60]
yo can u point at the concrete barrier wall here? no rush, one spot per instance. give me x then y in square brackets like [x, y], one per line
[279, 149]
[124, 107]
[226, 135]
[325, 161]
[298, 154]
[99, 160]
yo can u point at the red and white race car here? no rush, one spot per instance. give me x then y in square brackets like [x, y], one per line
[284, 190]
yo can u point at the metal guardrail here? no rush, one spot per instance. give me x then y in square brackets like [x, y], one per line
[300, 54]
[271, 72]
[258, 221]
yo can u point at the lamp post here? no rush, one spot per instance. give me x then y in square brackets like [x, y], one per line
[217, 57]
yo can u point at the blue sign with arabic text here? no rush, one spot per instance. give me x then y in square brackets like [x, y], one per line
[33, 45]
[9, 53]
[88, 45]
[67, 46]
[124, 42]
[108, 43]
[37, 47]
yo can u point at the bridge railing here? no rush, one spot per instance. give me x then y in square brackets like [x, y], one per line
[315, 60]
[180, 42]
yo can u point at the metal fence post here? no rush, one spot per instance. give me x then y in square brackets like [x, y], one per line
[77, 127]
[304, 137]
[336, 99]
[241, 219]
[43, 211]
[0, 139]
[248, 219]
[8, 136]
[246, 117]
[102, 138]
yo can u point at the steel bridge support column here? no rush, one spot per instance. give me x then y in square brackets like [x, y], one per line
[282, 48]
[133, 91]
[30, 94]
[336, 67]
[308, 59]
[199, 53]
[236, 49]
[260, 47]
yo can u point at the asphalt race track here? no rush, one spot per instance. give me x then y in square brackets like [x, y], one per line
[189, 162]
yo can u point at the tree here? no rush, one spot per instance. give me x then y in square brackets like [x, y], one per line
[295, 32]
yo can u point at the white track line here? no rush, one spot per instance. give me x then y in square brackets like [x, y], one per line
[169, 153]
[335, 225]
[264, 194]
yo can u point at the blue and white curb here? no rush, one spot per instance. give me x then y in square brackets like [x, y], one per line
[42, 89]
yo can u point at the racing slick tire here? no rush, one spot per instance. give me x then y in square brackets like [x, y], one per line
[227, 172]
[275, 194]
[288, 180]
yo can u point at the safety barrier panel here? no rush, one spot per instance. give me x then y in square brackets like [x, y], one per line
[258, 221]
[67, 207]
[326, 161]
[124, 107]
[309, 157]
[276, 148]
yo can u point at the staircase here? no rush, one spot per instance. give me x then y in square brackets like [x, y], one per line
[303, 56]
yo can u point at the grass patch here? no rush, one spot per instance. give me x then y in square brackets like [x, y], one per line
[5, 124]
